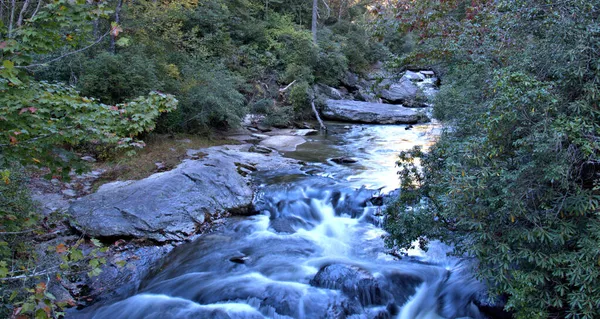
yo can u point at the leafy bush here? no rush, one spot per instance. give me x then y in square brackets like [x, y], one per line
[114, 78]
[209, 98]
[300, 95]
[513, 181]
[38, 134]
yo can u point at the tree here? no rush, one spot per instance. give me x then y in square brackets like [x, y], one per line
[38, 119]
[513, 182]
[315, 13]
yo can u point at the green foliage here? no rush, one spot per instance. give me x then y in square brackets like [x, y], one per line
[39, 120]
[513, 181]
[359, 46]
[21, 264]
[209, 98]
[300, 95]
[116, 78]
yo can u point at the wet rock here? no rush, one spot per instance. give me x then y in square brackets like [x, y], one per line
[372, 113]
[172, 205]
[260, 149]
[239, 259]
[344, 160]
[353, 281]
[283, 142]
[414, 76]
[260, 136]
[306, 132]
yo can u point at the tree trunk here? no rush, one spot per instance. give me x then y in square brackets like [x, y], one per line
[37, 8]
[312, 104]
[22, 13]
[13, 7]
[315, 9]
[113, 38]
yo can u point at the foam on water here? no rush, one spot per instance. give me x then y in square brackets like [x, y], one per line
[314, 251]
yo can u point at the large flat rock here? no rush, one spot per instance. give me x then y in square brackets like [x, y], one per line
[371, 113]
[170, 206]
[283, 142]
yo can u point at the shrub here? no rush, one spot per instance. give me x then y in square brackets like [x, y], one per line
[114, 78]
[209, 97]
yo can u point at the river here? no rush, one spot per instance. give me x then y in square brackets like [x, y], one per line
[316, 248]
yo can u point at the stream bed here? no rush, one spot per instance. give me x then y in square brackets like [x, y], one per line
[315, 250]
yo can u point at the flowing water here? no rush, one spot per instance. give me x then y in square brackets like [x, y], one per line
[315, 251]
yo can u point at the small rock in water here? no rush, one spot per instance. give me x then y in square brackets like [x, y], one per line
[344, 160]
[408, 127]
[260, 136]
[306, 132]
[264, 128]
[239, 259]
[260, 149]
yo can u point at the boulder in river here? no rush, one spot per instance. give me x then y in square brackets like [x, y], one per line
[355, 282]
[170, 206]
[372, 113]
[404, 92]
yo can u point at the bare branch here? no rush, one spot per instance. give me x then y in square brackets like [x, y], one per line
[287, 87]
[31, 66]
[328, 9]
[312, 104]
[39, 5]
[16, 232]
[23, 10]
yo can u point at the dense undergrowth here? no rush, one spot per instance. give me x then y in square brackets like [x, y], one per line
[513, 179]
[97, 78]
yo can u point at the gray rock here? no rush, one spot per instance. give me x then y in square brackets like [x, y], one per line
[427, 74]
[414, 76]
[400, 92]
[283, 142]
[305, 132]
[170, 206]
[344, 160]
[69, 192]
[350, 80]
[260, 149]
[328, 92]
[355, 282]
[89, 159]
[260, 136]
[374, 113]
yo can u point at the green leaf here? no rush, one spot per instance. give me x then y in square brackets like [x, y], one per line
[9, 65]
[96, 242]
[123, 42]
